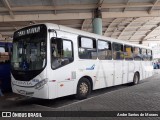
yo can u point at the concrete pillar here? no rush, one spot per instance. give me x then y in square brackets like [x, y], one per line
[97, 22]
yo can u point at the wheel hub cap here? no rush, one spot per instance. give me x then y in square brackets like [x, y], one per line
[83, 88]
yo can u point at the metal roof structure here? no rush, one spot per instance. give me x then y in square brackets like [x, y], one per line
[136, 21]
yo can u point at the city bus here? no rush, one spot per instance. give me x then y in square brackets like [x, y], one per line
[51, 61]
[5, 79]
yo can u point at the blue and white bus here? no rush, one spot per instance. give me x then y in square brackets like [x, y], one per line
[5, 79]
[51, 61]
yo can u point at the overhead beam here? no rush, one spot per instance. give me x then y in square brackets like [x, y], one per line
[129, 31]
[134, 19]
[2, 39]
[116, 28]
[137, 30]
[0, 35]
[152, 40]
[83, 24]
[69, 16]
[76, 7]
[110, 26]
[7, 33]
[79, 7]
[130, 14]
[48, 8]
[127, 3]
[38, 17]
[153, 29]
[128, 35]
[154, 4]
[7, 5]
[87, 24]
[100, 3]
[9, 30]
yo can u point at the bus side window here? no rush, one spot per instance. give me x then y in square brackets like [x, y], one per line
[118, 53]
[137, 54]
[144, 54]
[128, 52]
[87, 48]
[67, 52]
[149, 55]
[104, 50]
[61, 52]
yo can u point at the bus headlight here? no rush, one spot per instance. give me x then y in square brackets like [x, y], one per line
[41, 83]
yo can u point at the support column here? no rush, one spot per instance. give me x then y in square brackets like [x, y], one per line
[97, 22]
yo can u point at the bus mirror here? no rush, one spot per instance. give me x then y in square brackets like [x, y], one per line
[59, 44]
[53, 39]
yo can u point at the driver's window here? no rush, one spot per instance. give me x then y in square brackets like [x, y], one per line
[61, 52]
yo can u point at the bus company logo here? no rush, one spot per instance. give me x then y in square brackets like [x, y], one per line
[6, 114]
[91, 68]
[21, 114]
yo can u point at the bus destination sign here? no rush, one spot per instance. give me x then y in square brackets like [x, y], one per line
[29, 31]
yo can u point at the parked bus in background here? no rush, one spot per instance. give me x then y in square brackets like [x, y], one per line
[5, 52]
[51, 61]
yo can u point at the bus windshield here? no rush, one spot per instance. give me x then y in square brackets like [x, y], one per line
[29, 52]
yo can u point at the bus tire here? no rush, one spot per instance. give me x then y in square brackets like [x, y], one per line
[135, 79]
[83, 89]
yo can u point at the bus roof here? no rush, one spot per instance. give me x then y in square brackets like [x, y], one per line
[84, 33]
[88, 34]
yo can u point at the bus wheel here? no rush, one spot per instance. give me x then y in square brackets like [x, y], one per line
[135, 79]
[83, 89]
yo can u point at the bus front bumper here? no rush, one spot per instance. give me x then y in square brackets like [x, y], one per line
[31, 91]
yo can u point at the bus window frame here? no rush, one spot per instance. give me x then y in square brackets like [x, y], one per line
[150, 56]
[116, 51]
[51, 53]
[146, 56]
[129, 59]
[45, 32]
[111, 49]
[140, 52]
[94, 45]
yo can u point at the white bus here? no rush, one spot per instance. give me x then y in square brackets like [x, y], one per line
[51, 61]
